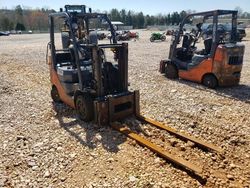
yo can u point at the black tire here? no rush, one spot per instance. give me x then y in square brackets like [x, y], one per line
[55, 95]
[85, 107]
[171, 71]
[152, 39]
[163, 38]
[210, 81]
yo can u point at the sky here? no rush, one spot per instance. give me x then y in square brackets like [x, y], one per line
[146, 6]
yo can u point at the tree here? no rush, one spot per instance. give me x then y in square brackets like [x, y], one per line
[5, 23]
[19, 14]
[129, 19]
[134, 21]
[148, 20]
[140, 20]
[168, 19]
[245, 15]
[19, 26]
[24, 18]
[175, 18]
[19, 10]
[123, 15]
[38, 20]
[115, 15]
[183, 14]
[161, 20]
[240, 11]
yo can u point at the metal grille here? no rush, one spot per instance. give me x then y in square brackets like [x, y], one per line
[235, 60]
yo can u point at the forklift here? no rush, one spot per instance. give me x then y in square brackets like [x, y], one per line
[217, 63]
[83, 77]
[80, 74]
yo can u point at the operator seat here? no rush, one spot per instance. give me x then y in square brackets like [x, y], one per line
[202, 55]
[184, 54]
[207, 47]
[187, 41]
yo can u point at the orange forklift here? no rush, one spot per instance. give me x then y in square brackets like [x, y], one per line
[217, 63]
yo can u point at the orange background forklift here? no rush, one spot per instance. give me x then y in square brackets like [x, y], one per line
[219, 63]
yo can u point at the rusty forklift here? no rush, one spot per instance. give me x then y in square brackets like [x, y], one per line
[83, 78]
[80, 75]
[217, 63]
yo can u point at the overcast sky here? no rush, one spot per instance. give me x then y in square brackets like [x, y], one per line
[146, 6]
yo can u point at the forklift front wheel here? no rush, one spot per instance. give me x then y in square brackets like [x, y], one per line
[210, 81]
[55, 95]
[171, 71]
[85, 107]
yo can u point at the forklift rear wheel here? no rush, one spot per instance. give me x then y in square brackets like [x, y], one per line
[84, 107]
[152, 39]
[210, 81]
[171, 71]
[55, 95]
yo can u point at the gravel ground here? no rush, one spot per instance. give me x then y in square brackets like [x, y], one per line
[42, 148]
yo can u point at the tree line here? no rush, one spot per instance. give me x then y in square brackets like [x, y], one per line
[139, 20]
[29, 19]
[24, 19]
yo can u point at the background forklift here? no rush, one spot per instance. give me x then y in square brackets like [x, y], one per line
[218, 62]
[81, 76]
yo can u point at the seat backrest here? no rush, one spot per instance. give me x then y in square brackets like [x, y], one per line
[186, 41]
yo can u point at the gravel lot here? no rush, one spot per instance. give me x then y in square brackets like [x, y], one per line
[42, 148]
